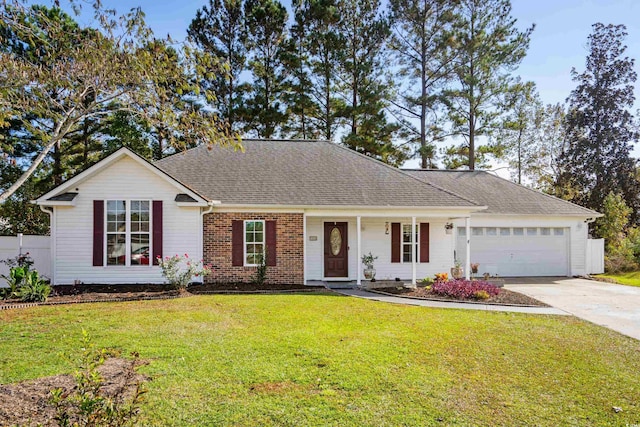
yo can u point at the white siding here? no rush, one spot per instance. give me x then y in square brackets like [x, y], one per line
[575, 227]
[375, 240]
[125, 179]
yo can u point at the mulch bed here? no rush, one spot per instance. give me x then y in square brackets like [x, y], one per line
[505, 297]
[27, 403]
[69, 294]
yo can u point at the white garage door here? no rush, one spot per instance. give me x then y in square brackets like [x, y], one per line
[517, 251]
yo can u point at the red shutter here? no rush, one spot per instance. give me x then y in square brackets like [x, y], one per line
[424, 242]
[157, 231]
[237, 242]
[271, 243]
[395, 242]
[98, 233]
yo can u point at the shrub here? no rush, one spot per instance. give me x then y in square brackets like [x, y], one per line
[463, 289]
[180, 271]
[427, 281]
[260, 277]
[23, 282]
[442, 277]
[481, 295]
[15, 280]
[34, 289]
[88, 404]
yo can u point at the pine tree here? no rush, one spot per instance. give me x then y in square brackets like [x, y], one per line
[488, 48]
[267, 38]
[320, 18]
[600, 128]
[220, 29]
[301, 108]
[421, 41]
[363, 33]
[521, 128]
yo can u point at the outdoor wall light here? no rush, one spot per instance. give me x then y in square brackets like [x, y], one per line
[386, 228]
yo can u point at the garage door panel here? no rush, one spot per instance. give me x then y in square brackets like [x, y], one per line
[539, 255]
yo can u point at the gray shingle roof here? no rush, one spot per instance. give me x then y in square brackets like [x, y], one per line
[500, 195]
[185, 198]
[301, 173]
[64, 197]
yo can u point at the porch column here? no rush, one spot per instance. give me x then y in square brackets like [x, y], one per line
[304, 248]
[413, 250]
[467, 266]
[359, 234]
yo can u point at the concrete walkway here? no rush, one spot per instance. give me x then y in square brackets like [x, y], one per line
[616, 307]
[443, 304]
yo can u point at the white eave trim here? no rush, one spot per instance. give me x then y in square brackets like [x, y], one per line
[355, 207]
[192, 204]
[55, 202]
[545, 215]
[124, 151]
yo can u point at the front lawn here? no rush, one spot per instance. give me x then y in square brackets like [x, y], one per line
[631, 279]
[309, 360]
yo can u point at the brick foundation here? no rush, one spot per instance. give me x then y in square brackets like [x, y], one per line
[289, 248]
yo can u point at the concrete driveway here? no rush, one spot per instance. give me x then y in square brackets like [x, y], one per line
[616, 307]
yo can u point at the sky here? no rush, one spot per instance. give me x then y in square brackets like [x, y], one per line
[558, 42]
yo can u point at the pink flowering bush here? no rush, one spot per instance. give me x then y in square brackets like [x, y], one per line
[464, 289]
[180, 270]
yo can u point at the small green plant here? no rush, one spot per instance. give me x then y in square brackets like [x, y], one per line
[180, 270]
[14, 282]
[87, 403]
[481, 295]
[260, 278]
[33, 288]
[24, 283]
[427, 281]
[369, 259]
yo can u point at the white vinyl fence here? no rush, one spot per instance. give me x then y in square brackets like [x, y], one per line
[595, 256]
[38, 248]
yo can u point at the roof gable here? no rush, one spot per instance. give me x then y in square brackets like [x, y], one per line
[303, 173]
[502, 196]
[59, 195]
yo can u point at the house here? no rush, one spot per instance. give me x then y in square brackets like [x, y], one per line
[315, 206]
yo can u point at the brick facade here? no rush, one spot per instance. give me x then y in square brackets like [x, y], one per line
[289, 248]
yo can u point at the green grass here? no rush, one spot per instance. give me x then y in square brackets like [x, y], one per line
[630, 279]
[307, 360]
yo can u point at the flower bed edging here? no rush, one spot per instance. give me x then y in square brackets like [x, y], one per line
[452, 300]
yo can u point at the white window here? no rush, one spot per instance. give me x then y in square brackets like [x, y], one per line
[254, 242]
[128, 232]
[558, 231]
[462, 231]
[407, 253]
[476, 231]
[518, 231]
[505, 231]
[532, 231]
[546, 231]
[491, 231]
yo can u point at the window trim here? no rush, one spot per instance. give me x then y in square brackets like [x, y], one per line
[244, 240]
[127, 233]
[402, 243]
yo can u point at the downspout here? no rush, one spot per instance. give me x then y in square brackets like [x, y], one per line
[52, 242]
[211, 205]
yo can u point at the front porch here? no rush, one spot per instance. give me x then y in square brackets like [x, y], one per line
[408, 247]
